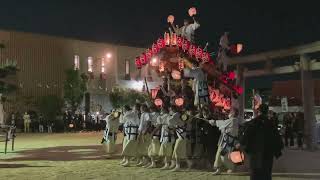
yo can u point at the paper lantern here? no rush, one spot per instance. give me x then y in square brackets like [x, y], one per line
[154, 93]
[192, 50]
[238, 89]
[232, 75]
[170, 19]
[176, 74]
[158, 102]
[236, 48]
[237, 157]
[179, 41]
[198, 53]
[154, 61]
[138, 62]
[239, 48]
[181, 64]
[179, 101]
[143, 59]
[71, 125]
[173, 39]
[167, 38]
[148, 54]
[161, 66]
[160, 44]
[192, 11]
[227, 104]
[185, 45]
[155, 49]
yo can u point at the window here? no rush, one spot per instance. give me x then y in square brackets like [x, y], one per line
[90, 64]
[76, 62]
[127, 70]
[103, 67]
[127, 67]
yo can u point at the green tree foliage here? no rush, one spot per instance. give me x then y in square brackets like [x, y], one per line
[49, 106]
[5, 70]
[74, 88]
[120, 97]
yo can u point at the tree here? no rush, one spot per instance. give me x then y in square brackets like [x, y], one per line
[74, 88]
[120, 97]
[49, 106]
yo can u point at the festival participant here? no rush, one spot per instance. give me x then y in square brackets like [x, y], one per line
[200, 84]
[167, 137]
[188, 29]
[180, 147]
[198, 135]
[131, 126]
[144, 138]
[110, 133]
[189, 137]
[210, 138]
[229, 132]
[154, 147]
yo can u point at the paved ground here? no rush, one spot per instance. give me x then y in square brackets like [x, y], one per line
[80, 156]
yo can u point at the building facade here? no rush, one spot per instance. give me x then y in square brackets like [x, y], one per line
[43, 60]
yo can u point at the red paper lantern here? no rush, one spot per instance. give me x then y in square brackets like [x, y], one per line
[160, 43]
[161, 66]
[179, 101]
[232, 75]
[143, 59]
[185, 45]
[158, 102]
[138, 62]
[237, 157]
[155, 49]
[148, 54]
[192, 50]
[179, 41]
[236, 48]
[167, 39]
[173, 39]
[192, 11]
[238, 89]
[170, 19]
[199, 53]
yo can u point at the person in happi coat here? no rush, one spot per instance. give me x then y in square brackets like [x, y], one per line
[110, 133]
[188, 29]
[180, 147]
[167, 137]
[144, 137]
[131, 126]
[154, 147]
[227, 141]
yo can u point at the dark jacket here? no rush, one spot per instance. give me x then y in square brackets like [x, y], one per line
[261, 139]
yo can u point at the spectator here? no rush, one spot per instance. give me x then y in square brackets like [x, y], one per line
[288, 126]
[41, 123]
[13, 119]
[27, 121]
[298, 127]
[262, 141]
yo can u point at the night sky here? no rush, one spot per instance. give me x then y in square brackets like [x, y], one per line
[258, 25]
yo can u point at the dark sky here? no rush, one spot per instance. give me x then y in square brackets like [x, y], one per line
[260, 25]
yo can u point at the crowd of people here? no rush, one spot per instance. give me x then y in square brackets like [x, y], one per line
[171, 138]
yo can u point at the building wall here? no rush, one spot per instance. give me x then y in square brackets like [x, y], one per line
[43, 60]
